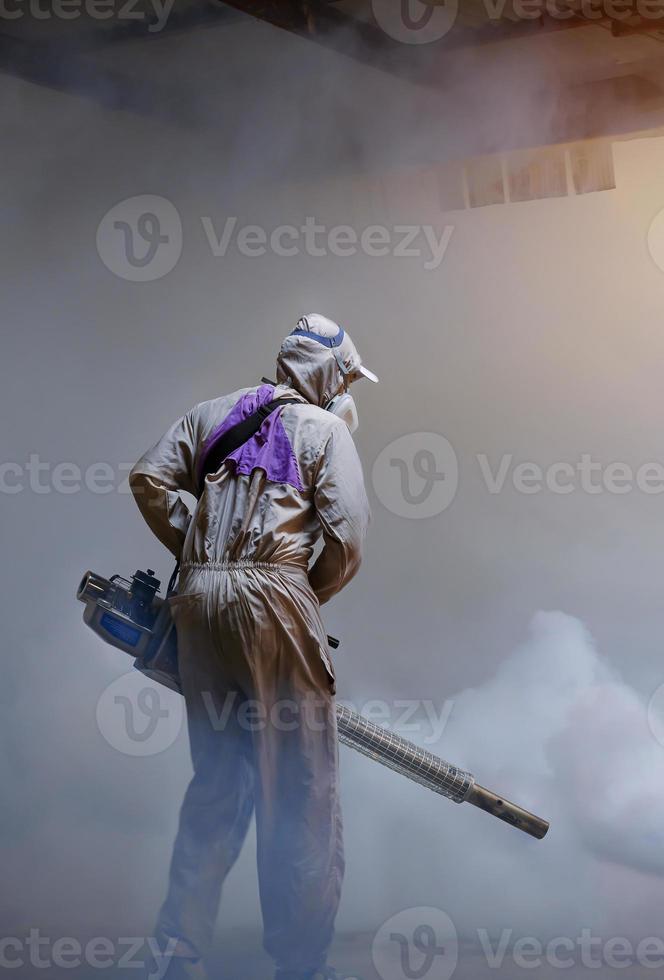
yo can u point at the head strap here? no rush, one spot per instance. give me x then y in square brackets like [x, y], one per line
[330, 342]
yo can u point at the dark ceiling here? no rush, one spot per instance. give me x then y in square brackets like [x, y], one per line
[612, 71]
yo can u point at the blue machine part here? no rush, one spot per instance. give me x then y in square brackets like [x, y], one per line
[121, 630]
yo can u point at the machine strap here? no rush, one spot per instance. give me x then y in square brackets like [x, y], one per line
[238, 434]
[231, 440]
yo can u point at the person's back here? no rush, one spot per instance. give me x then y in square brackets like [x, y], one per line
[252, 649]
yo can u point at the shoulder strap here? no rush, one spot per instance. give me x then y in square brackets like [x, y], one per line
[240, 433]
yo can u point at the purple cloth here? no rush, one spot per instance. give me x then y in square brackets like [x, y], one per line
[268, 450]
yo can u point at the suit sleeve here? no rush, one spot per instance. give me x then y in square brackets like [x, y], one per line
[343, 510]
[157, 479]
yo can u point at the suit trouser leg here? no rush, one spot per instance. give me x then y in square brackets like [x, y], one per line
[299, 831]
[218, 804]
[274, 636]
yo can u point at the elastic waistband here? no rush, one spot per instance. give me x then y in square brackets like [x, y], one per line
[229, 566]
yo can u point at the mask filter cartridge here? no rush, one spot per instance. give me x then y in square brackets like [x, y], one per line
[345, 408]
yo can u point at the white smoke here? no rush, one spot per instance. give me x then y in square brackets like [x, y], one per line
[557, 731]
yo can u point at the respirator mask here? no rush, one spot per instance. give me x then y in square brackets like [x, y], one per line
[344, 407]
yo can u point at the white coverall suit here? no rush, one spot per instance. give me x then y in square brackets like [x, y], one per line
[250, 634]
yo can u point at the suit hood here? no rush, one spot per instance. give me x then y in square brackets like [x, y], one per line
[310, 369]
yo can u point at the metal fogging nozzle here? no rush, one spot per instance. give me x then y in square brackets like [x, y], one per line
[515, 815]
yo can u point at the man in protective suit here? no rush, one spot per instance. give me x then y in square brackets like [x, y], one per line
[253, 656]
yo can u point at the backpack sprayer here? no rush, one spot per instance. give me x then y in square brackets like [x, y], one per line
[131, 616]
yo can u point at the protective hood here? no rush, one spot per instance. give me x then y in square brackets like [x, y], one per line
[320, 360]
[310, 369]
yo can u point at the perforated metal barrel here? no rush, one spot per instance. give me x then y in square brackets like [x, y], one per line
[431, 771]
[403, 756]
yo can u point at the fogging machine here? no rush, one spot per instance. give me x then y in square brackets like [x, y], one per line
[130, 615]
